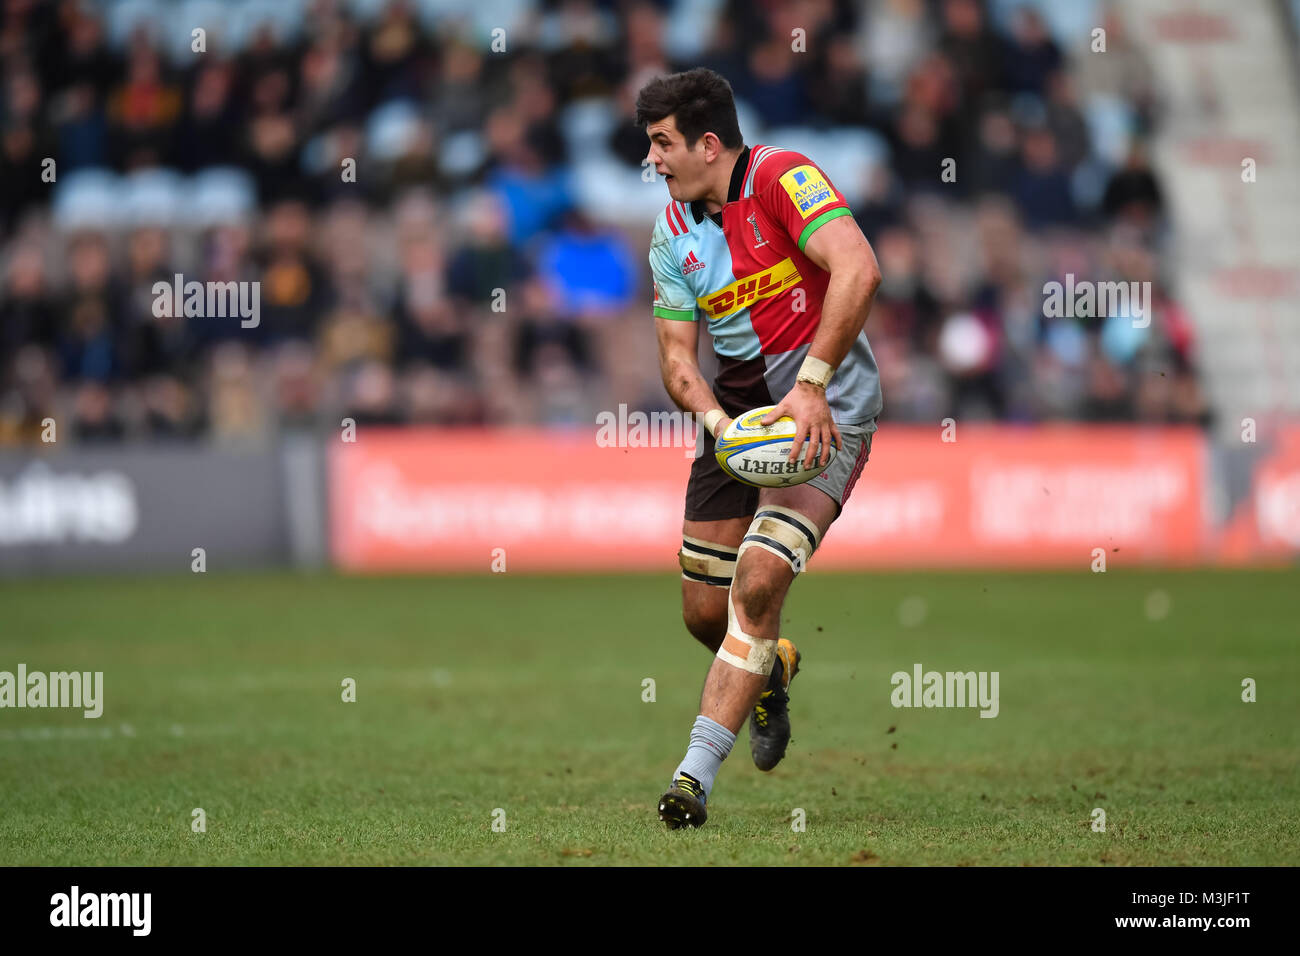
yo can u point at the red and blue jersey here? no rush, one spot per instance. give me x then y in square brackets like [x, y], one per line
[749, 277]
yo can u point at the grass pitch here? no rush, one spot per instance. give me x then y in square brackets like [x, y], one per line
[520, 700]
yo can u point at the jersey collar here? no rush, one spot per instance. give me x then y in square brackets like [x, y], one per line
[733, 191]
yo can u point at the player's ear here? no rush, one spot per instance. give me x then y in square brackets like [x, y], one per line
[712, 146]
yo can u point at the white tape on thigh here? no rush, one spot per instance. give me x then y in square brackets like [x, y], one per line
[749, 653]
[707, 562]
[787, 533]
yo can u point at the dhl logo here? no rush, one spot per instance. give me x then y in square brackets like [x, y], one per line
[742, 292]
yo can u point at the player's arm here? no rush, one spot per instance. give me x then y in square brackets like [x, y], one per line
[839, 247]
[679, 365]
[677, 328]
[799, 195]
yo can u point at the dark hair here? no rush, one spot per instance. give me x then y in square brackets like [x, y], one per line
[700, 101]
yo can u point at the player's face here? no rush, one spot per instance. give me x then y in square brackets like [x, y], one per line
[684, 170]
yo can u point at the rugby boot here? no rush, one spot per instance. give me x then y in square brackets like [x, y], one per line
[683, 804]
[769, 724]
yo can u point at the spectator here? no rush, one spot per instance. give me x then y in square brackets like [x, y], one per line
[213, 111]
[487, 261]
[143, 112]
[972, 49]
[432, 331]
[93, 419]
[89, 322]
[1043, 188]
[26, 314]
[1133, 194]
[293, 287]
[450, 260]
[589, 268]
[1031, 55]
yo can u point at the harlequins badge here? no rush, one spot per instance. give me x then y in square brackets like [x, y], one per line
[758, 236]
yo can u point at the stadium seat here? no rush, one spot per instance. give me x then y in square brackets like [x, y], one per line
[212, 15]
[87, 199]
[121, 20]
[611, 191]
[461, 153]
[220, 195]
[850, 155]
[1110, 126]
[366, 11]
[689, 29]
[390, 129]
[285, 18]
[152, 197]
[586, 125]
[481, 16]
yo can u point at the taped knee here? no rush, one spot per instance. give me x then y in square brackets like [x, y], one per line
[790, 535]
[749, 653]
[707, 562]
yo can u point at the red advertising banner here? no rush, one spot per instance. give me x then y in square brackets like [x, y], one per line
[435, 499]
[447, 499]
[1266, 524]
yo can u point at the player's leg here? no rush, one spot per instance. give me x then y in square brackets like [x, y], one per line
[769, 721]
[782, 537]
[788, 526]
[717, 512]
[708, 560]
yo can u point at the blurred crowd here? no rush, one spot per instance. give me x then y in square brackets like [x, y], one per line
[413, 189]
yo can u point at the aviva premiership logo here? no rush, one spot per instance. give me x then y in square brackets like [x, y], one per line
[750, 289]
[808, 189]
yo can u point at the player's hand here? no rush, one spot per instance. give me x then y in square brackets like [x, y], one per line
[723, 425]
[813, 423]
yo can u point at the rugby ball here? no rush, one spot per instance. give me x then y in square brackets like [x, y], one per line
[756, 454]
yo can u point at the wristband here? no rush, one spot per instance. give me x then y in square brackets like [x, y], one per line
[815, 372]
[711, 419]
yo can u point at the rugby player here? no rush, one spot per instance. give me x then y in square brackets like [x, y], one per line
[760, 243]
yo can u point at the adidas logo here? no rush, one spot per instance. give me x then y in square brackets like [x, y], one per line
[691, 264]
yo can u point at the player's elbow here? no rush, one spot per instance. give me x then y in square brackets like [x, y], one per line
[863, 275]
[873, 276]
[671, 354]
[869, 266]
[675, 369]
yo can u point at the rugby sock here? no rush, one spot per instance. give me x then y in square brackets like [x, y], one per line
[710, 744]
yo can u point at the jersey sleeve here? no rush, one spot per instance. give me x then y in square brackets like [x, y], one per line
[672, 296]
[800, 196]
